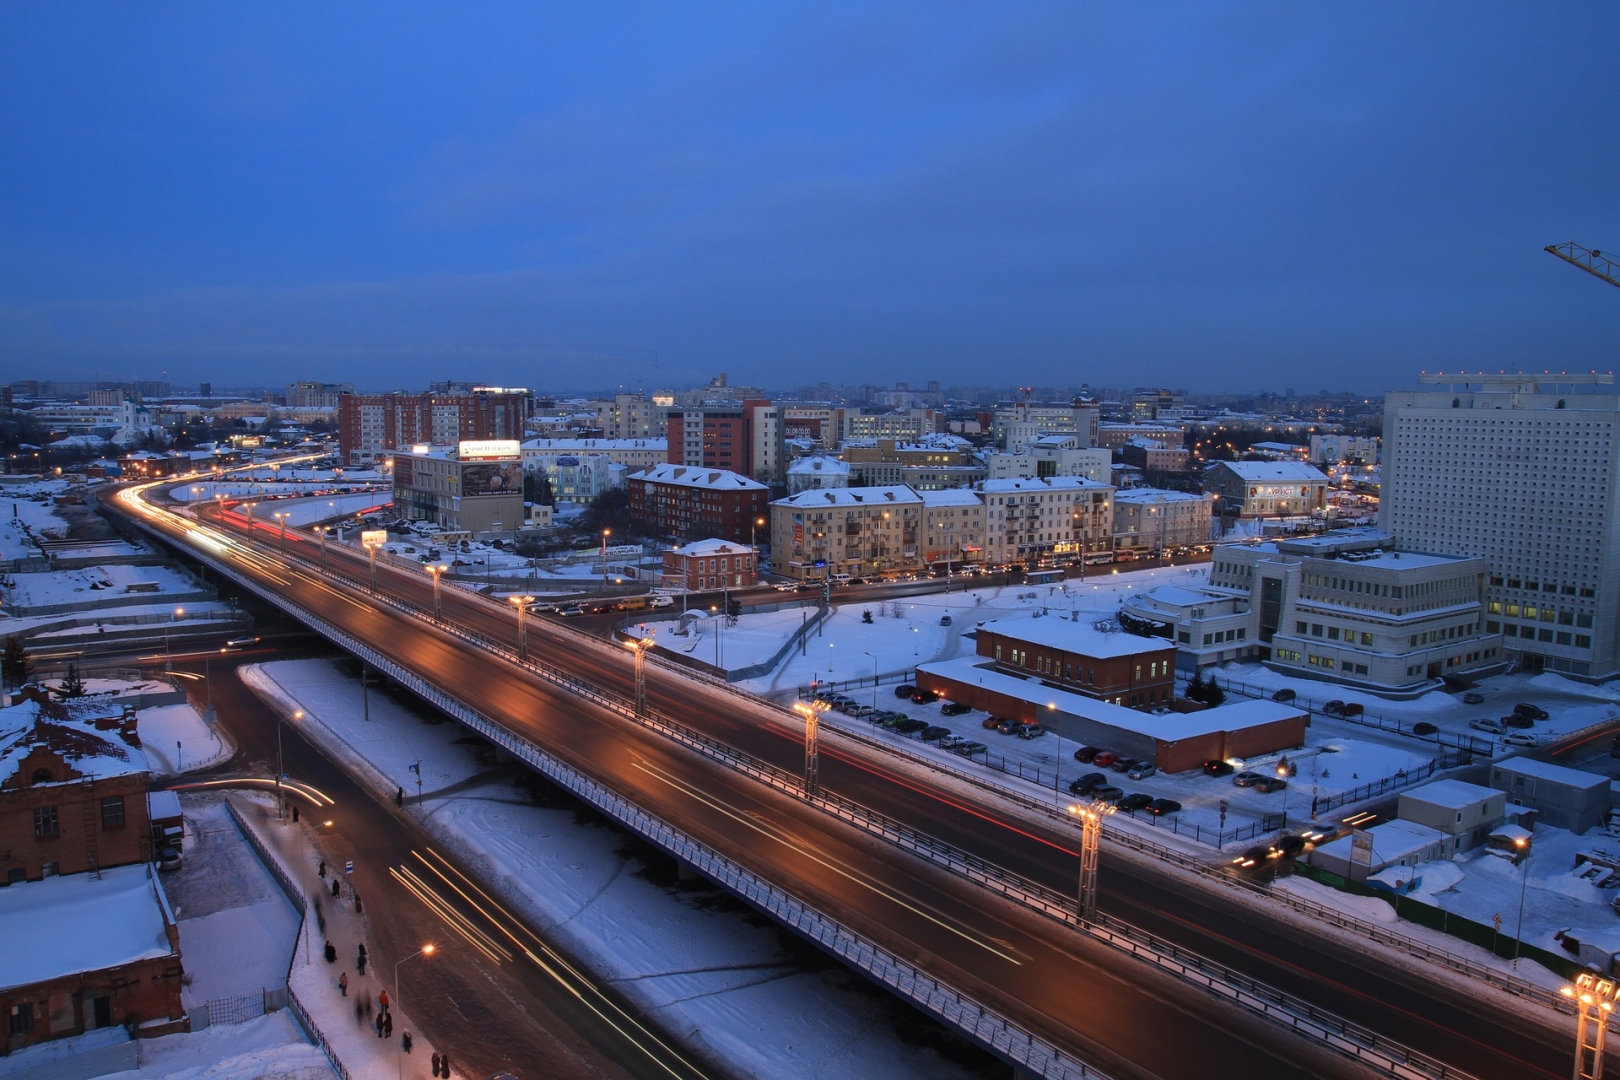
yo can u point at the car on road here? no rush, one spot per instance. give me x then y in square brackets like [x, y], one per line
[934, 733]
[785, 586]
[1284, 694]
[1246, 778]
[569, 611]
[1086, 754]
[1104, 759]
[1134, 801]
[1084, 785]
[1486, 724]
[954, 708]
[1255, 856]
[1534, 712]
[1473, 697]
[968, 749]
[245, 641]
[1520, 738]
[1289, 845]
[1141, 770]
[1160, 807]
[905, 689]
[1218, 768]
[944, 620]
[1423, 727]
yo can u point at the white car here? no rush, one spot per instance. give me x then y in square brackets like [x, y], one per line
[1495, 727]
[1521, 738]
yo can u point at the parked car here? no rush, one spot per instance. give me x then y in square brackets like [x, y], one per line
[1514, 720]
[1030, 731]
[990, 722]
[1086, 754]
[1218, 768]
[924, 697]
[1423, 727]
[1107, 793]
[933, 733]
[169, 859]
[1161, 807]
[1134, 801]
[1495, 727]
[1268, 784]
[909, 725]
[1008, 727]
[955, 708]
[1246, 778]
[1122, 764]
[1519, 738]
[1104, 759]
[1084, 785]
[1473, 697]
[1141, 770]
[1534, 712]
[951, 742]
[905, 689]
[1284, 694]
[1340, 708]
[968, 749]
[944, 620]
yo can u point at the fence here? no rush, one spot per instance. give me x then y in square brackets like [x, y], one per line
[1467, 743]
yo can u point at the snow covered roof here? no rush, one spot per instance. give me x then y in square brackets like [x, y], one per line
[1282, 447]
[1512, 833]
[89, 734]
[77, 924]
[819, 463]
[690, 476]
[1392, 841]
[1287, 471]
[567, 446]
[1452, 794]
[712, 547]
[162, 805]
[855, 496]
[1546, 770]
[1175, 596]
[1156, 495]
[1075, 637]
[950, 497]
[1052, 483]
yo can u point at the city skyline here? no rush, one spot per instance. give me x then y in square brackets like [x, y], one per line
[1216, 199]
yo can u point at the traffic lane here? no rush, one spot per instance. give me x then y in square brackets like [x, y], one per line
[1034, 853]
[561, 722]
[550, 1025]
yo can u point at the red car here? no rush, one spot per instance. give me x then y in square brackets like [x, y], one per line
[1105, 759]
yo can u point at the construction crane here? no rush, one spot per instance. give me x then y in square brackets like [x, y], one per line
[1593, 262]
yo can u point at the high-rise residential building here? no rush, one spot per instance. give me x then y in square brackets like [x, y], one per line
[1519, 470]
[371, 426]
[1024, 422]
[316, 395]
[741, 437]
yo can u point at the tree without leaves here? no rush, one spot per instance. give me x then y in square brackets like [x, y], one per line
[15, 666]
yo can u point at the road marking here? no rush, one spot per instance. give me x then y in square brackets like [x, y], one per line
[773, 833]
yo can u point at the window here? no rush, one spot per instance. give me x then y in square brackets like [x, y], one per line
[22, 1018]
[112, 812]
[1366, 638]
[45, 824]
[1299, 628]
[1582, 641]
[1333, 633]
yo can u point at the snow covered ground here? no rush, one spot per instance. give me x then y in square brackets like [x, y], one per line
[93, 584]
[268, 1048]
[754, 640]
[682, 952]
[23, 520]
[177, 740]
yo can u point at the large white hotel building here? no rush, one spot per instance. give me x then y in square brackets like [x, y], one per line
[1521, 471]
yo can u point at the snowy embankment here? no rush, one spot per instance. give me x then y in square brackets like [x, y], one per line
[720, 982]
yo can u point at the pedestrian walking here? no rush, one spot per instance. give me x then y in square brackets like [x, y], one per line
[359, 1013]
[382, 999]
[334, 886]
[444, 1065]
[321, 870]
[360, 958]
[405, 1041]
[388, 1025]
[343, 983]
[295, 813]
[399, 797]
[331, 952]
[368, 1007]
[435, 1064]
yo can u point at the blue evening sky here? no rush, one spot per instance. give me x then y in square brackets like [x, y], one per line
[1210, 196]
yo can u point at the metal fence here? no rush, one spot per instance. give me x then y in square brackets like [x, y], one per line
[1467, 743]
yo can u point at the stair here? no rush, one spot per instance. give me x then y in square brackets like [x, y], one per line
[92, 830]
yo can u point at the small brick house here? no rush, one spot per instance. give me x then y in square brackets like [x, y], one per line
[711, 564]
[1137, 672]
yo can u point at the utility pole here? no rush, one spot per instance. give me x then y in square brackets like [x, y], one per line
[811, 711]
[639, 646]
[1091, 817]
[522, 604]
[1594, 1000]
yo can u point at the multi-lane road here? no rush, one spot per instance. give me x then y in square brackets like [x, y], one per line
[1118, 1013]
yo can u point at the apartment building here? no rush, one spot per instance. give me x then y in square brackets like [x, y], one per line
[860, 531]
[316, 395]
[1520, 471]
[953, 528]
[1041, 521]
[631, 453]
[474, 486]
[1022, 423]
[372, 426]
[1254, 489]
[1154, 520]
[697, 504]
[934, 464]
[816, 472]
[742, 437]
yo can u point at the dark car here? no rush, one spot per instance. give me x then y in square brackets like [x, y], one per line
[990, 722]
[924, 697]
[1518, 720]
[910, 724]
[1084, 785]
[1290, 845]
[968, 749]
[1284, 694]
[1268, 784]
[1122, 764]
[905, 689]
[1086, 754]
[1107, 793]
[1334, 708]
[1218, 768]
[1423, 727]
[1534, 712]
[933, 733]
[944, 620]
[955, 708]
[1473, 697]
[1163, 806]
[1134, 801]
[1255, 856]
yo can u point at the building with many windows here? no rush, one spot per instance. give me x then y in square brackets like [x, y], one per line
[859, 531]
[631, 453]
[935, 464]
[692, 504]
[1039, 521]
[953, 529]
[816, 472]
[711, 564]
[1520, 471]
[1153, 520]
[744, 437]
[1253, 489]
[371, 426]
[1076, 656]
[474, 487]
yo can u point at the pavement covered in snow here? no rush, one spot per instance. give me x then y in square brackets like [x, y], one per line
[682, 952]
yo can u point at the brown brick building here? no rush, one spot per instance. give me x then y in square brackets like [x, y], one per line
[372, 425]
[697, 504]
[1122, 668]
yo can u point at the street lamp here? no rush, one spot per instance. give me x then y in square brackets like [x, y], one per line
[371, 544]
[1521, 844]
[281, 517]
[399, 1053]
[811, 711]
[249, 508]
[874, 686]
[1594, 1000]
[168, 662]
[522, 604]
[1091, 815]
[605, 534]
[281, 803]
[1282, 774]
[437, 570]
[639, 646]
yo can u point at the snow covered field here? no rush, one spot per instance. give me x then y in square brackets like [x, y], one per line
[680, 951]
[21, 515]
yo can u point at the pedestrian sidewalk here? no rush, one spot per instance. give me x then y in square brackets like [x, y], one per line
[351, 1035]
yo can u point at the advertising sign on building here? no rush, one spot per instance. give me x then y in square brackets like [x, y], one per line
[490, 450]
[374, 537]
[492, 479]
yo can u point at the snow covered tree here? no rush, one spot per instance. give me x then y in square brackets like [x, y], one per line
[14, 664]
[72, 685]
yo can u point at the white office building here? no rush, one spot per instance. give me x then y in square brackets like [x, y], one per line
[1041, 521]
[1521, 471]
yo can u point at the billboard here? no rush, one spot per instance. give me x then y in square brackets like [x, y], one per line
[374, 537]
[489, 449]
[492, 478]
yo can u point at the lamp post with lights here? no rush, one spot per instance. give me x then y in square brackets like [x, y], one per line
[371, 544]
[399, 1055]
[437, 570]
[1594, 1001]
[281, 516]
[522, 604]
[1091, 815]
[811, 711]
[639, 646]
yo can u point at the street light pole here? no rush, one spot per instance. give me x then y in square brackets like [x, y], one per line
[639, 646]
[1091, 816]
[522, 604]
[281, 802]
[1518, 934]
[168, 661]
[1594, 1000]
[605, 534]
[811, 711]
[437, 570]
[399, 1053]
[282, 516]
[874, 685]
[371, 547]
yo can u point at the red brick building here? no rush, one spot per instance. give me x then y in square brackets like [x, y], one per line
[692, 504]
[1122, 668]
[743, 438]
[372, 425]
[711, 564]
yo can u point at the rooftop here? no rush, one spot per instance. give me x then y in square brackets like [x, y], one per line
[1054, 483]
[1075, 637]
[1156, 495]
[1392, 841]
[689, 476]
[1451, 794]
[65, 925]
[1286, 471]
[711, 547]
[88, 732]
[950, 497]
[819, 463]
[855, 496]
[1546, 770]
[563, 446]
